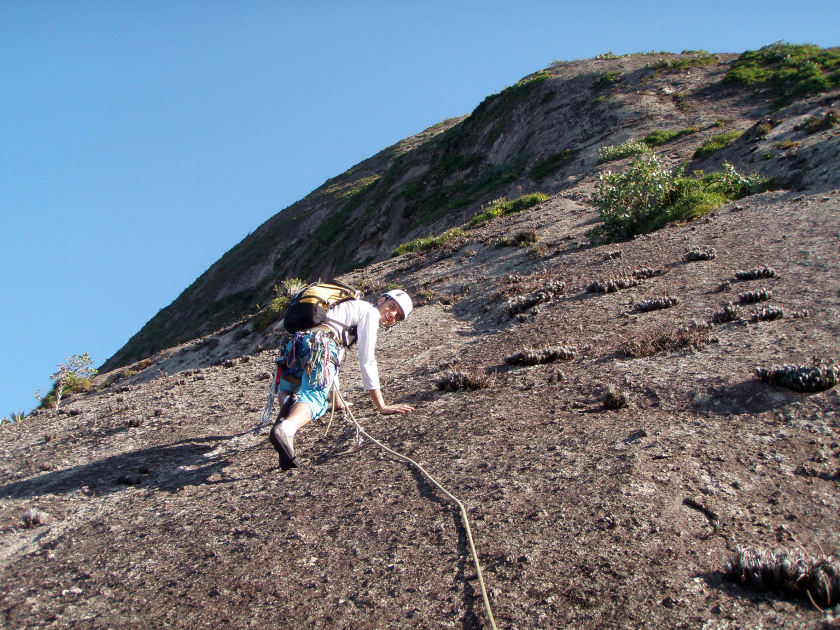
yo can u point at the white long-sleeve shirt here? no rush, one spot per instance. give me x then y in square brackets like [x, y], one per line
[365, 317]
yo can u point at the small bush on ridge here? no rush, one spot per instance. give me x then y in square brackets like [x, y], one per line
[676, 66]
[611, 153]
[819, 123]
[71, 377]
[647, 195]
[274, 311]
[789, 70]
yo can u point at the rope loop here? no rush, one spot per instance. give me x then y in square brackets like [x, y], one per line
[361, 431]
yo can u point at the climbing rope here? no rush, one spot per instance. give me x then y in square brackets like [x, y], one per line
[360, 430]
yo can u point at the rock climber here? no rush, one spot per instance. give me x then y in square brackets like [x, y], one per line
[312, 359]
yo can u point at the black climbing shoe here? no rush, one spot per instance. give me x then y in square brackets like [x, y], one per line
[271, 437]
[282, 443]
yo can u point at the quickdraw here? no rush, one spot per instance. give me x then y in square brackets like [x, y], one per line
[319, 357]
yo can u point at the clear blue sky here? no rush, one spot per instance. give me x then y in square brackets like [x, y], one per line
[139, 141]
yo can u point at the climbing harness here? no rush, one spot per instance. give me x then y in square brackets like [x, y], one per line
[308, 351]
[360, 431]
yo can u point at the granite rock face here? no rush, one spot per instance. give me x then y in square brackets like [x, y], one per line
[159, 503]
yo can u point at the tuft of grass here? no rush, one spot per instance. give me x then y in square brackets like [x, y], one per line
[763, 128]
[275, 310]
[787, 143]
[458, 380]
[427, 243]
[611, 153]
[792, 571]
[822, 375]
[728, 313]
[611, 286]
[15, 416]
[549, 165]
[815, 124]
[546, 354]
[34, 517]
[767, 314]
[693, 255]
[755, 274]
[661, 136]
[606, 80]
[291, 287]
[751, 297]
[789, 70]
[647, 196]
[524, 238]
[346, 190]
[549, 291]
[648, 344]
[615, 398]
[699, 59]
[715, 143]
[504, 207]
[657, 304]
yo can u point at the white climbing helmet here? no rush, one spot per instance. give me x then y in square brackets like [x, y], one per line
[401, 298]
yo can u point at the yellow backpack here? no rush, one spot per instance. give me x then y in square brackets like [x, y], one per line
[309, 307]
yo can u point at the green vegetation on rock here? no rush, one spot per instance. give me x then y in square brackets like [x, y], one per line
[549, 165]
[789, 70]
[72, 377]
[815, 124]
[498, 208]
[504, 207]
[520, 239]
[715, 143]
[676, 66]
[625, 149]
[427, 243]
[648, 196]
[271, 313]
[661, 136]
[606, 80]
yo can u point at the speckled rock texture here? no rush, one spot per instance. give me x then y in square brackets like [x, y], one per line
[163, 505]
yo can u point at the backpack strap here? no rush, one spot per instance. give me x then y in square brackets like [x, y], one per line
[348, 333]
